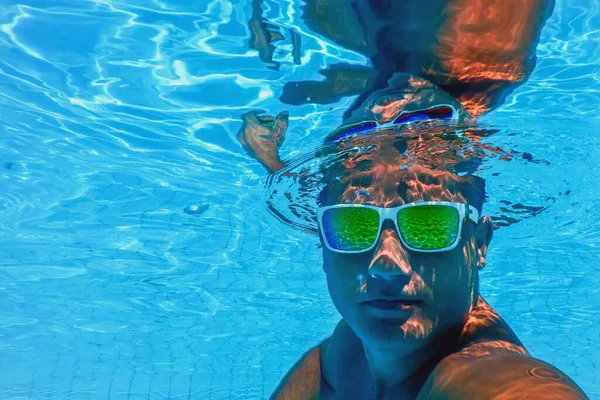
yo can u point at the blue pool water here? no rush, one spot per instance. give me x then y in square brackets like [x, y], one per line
[138, 257]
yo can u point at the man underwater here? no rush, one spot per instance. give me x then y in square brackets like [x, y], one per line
[403, 241]
[402, 233]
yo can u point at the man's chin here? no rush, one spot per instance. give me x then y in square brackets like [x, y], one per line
[397, 331]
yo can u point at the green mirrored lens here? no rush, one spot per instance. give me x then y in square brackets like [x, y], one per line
[350, 228]
[429, 227]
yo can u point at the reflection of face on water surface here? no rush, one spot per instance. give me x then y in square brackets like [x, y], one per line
[404, 93]
[477, 51]
[444, 285]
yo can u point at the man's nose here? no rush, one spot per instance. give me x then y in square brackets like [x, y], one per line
[390, 259]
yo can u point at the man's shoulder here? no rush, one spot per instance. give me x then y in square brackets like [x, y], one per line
[303, 381]
[498, 375]
[491, 362]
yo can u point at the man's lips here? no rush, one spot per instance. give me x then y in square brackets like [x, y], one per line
[398, 304]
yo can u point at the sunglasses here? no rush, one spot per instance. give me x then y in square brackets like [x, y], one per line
[427, 227]
[438, 112]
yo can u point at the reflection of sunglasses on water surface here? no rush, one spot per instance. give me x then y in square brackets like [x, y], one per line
[443, 112]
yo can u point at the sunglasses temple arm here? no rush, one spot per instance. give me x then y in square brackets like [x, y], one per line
[472, 213]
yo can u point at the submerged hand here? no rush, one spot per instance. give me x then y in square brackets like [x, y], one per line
[262, 136]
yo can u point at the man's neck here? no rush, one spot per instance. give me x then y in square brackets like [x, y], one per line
[402, 371]
[349, 365]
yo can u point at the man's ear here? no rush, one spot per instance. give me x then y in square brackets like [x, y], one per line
[484, 231]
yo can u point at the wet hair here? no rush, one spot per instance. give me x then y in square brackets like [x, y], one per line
[460, 156]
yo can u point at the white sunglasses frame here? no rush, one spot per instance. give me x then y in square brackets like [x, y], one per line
[391, 213]
[386, 125]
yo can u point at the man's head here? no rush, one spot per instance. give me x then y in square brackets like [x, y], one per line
[436, 289]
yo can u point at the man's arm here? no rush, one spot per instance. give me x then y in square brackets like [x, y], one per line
[500, 377]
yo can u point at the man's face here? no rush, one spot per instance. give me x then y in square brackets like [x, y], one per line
[437, 289]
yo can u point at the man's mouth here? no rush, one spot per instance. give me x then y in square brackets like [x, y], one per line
[392, 305]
